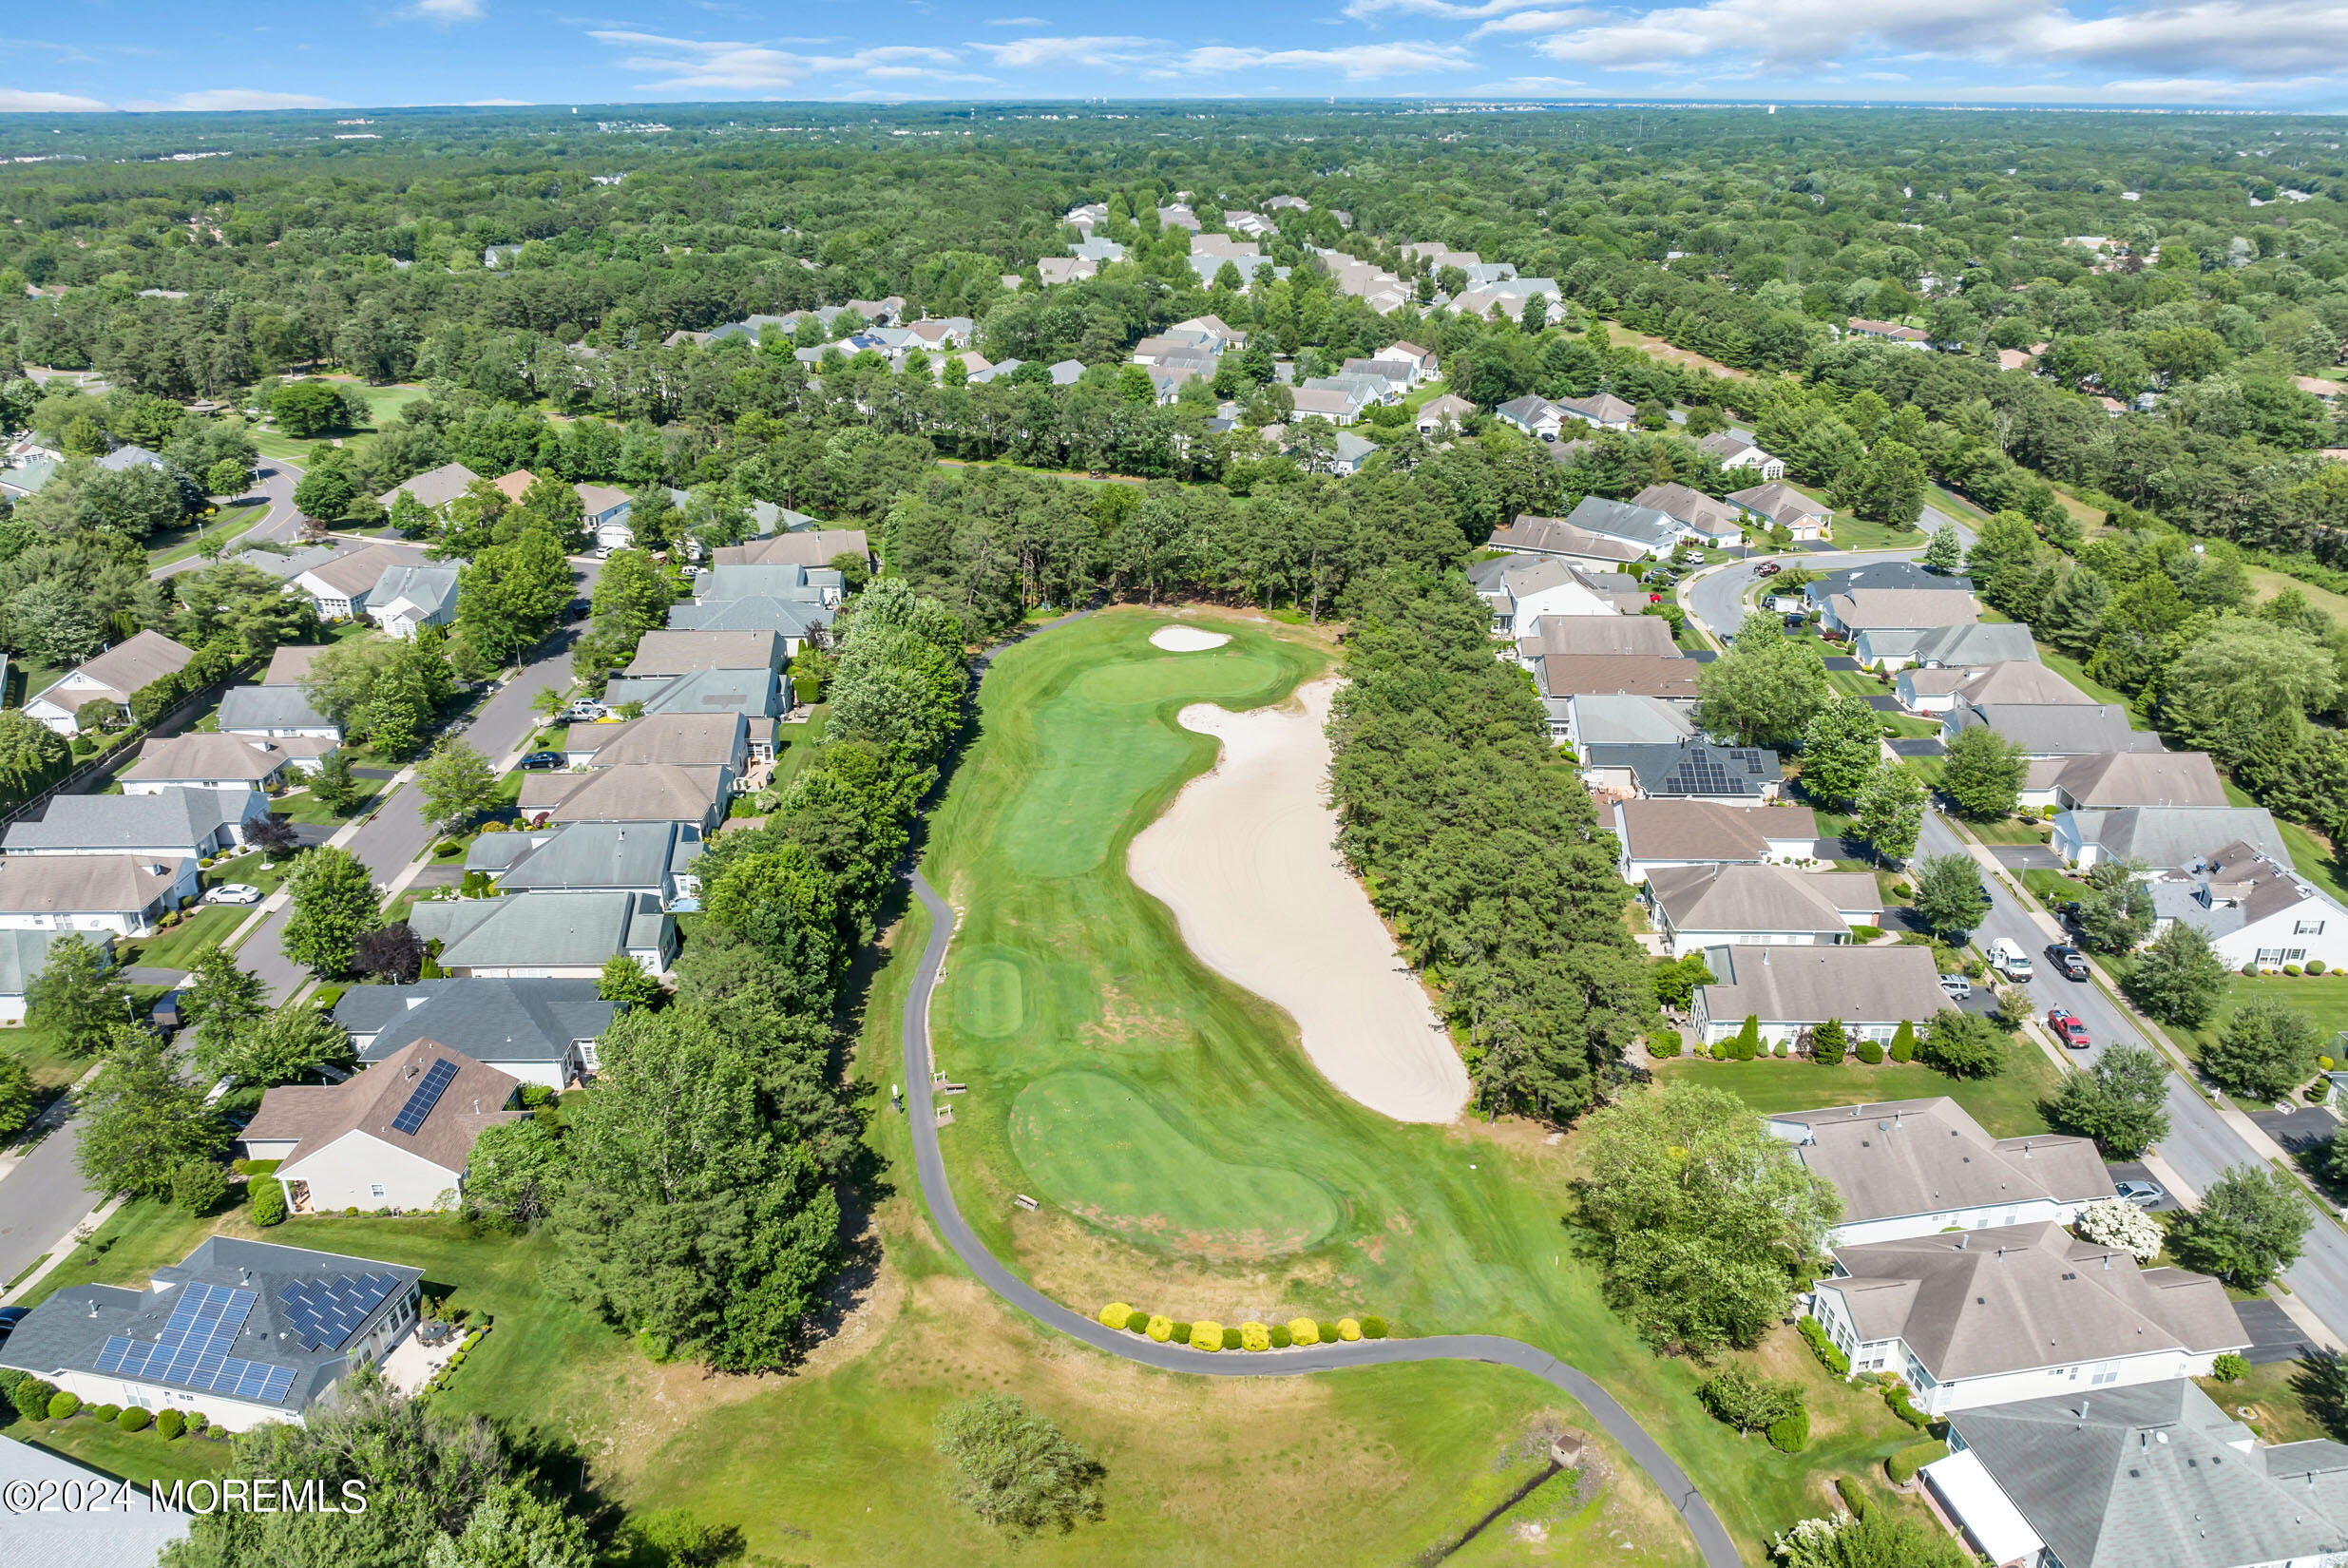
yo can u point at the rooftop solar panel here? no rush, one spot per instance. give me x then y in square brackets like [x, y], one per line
[330, 1311]
[423, 1096]
[192, 1351]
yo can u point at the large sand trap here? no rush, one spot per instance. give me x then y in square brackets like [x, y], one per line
[1186, 639]
[1245, 858]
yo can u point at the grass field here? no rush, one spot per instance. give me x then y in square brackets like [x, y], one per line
[795, 743]
[2322, 998]
[137, 1457]
[383, 402]
[2007, 1105]
[178, 948]
[1857, 533]
[178, 543]
[1112, 1076]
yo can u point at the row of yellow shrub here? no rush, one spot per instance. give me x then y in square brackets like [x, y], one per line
[1208, 1335]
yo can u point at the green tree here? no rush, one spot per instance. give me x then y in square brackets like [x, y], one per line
[17, 1100]
[1676, 978]
[512, 595]
[457, 783]
[1737, 1398]
[307, 409]
[326, 493]
[1888, 487]
[284, 1045]
[2115, 906]
[1701, 1220]
[782, 901]
[1877, 1538]
[2246, 686]
[2120, 1100]
[515, 1527]
[2265, 1049]
[1829, 1043]
[1984, 773]
[219, 1001]
[2005, 561]
[335, 786]
[2251, 1225]
[625, 980]
[1765, 689]
[1944, 553]
[54, 622]
[2178, 979]
[1841, 746]
[513, 1170]
[77, 997]
[1889, 811]
[140, 1121]
[1950, 897]
[2073, 617]
[1015, 1469]
[1962, 1045]
[334, 904]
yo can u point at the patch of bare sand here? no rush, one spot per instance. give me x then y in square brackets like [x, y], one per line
[1187, 638]
[1246, 859]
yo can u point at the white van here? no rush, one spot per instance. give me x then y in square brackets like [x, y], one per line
[2005, 957]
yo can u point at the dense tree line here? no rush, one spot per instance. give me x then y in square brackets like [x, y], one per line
[1482, 847]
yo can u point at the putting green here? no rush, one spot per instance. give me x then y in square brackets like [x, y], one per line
[989, 1002]
[1098, 1148]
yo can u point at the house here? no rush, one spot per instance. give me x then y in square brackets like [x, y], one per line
[1209, 265]
[691, 740]
[72, 1518]
[1908, 1168]
[1782, 505]
[1715, 522]
[1603, 634]
[1066, 269]
[546, 935]
[1567, 677]
[794, 621]
[1595, 721]
[246, 1331]
[1097, 250]
[131, 455]
[409, 598]
[273, 712]
[759, 696]
[339, 587]
[1212, 329]
[2050, 729]
[1879, 574]
[1423, 365]
[1907, 337]
[655, 857]
[172, 824]
[1899, 609]
[395, 1136]
[1535, 416]
[234, 763]
[2255, 909]
[434, 489]
[23, 955]
[2138, 1475]
[809, 547]
[631, 791]
[515, 486]
[1604, 412]
[2010, 683]
[817, 588]
[1659, 833]
[603, 513]
[1685, 770]
[1349, 452]
[1445, 410]
[537, 1031]
[1956, 651]
[111, 677]
[1736, 452]
[1872, 990]
[122, 893]
[2123, 778]
[668, 653]
[1739, 906]
[2001, 1314]
[1523, 588]
[2153, 835]
[1651, 531]
[1935, 688]
[1553, 536]
[1338, 404]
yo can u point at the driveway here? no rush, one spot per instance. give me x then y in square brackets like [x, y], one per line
[2027, 857]
[2273, 1335]
[1916, 746]
[2303, 1128]
[2128, 1170]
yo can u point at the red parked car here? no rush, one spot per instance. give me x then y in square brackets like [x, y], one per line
[2067, 1029]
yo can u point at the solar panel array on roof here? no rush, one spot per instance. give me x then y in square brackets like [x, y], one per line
[423, 1096]
[192, 1351]
[324, 1313]
[1710, 771]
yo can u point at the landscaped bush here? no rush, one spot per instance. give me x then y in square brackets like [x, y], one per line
[1233, 1339]
[102, 1412]
[1115, 1315]
[1734, 1397]
[1870, 1052]
[2315, 966]
[1304, 1330]
[1328, 1332]
[1207, 1334]
[1854, 1496]
[1663, 1042]
[1179, 1333]
[1814, 1334]
[1281, 1338]
[64, 1405]
[268, 1203]
[1903, 1043]
[1720, 1050]
[1791, 1434]
[31, 1396]
[1373, 1327]
[536, 1097]
[2320, 1091]
[1255, 1336]
[1348, 1329]
[170, 1425]
[134, 1418]
[1866, 933]
[1160, 1328]
[1895, 1395]
[1902, 1465]
[1137, 1322]
[2229, 1368]
[2291, 969]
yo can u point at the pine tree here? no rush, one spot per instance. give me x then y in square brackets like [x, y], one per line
[1829, 1041]
[1945, 553]
[2073, 617]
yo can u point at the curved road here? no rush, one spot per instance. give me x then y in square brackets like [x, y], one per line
[929, 1164]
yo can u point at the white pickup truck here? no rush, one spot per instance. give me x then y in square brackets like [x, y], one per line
[2005, 955]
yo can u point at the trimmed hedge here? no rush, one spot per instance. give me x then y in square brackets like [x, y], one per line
[135, 1419]
[1233, 1339]
[1870, 1052]
[1137, 1322]
[1160, 1328]
[1207, 1334]
[2229, 1368]
[1902, 1465]
[1115, 1315]
[31, 1396]
[1791, 1435]
[1304, 1330]
[1895, 1395]
[1180, 1334]
[1373, 1327]
[1854, 1497]
[64, 1405]
[1281, 1338]
[170, 1425]
[1823, 1347]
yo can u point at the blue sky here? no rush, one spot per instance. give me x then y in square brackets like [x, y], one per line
[208, 55]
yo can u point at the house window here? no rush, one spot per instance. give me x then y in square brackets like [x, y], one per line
[2281, 955]
[376, 1191]
[2307, 927]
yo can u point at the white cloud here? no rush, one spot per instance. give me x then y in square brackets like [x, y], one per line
[214, 100]
[445, 12]
[20, 101]
[1015, 20]
[497, 102]
[1096, 51]
[1355, 61]
[1532, 21]
[1362, 11]
[1526, 87]
[691, 65]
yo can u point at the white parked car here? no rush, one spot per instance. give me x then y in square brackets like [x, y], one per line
[234, 892]
[1958, 986]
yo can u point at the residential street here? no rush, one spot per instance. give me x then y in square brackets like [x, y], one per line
[41, 1202]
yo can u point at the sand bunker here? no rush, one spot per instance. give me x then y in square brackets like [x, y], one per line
[1244, 858]
[1186, 639]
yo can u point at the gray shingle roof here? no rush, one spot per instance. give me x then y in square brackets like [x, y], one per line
[170, 819]
[1919, 1157]
[1882, 574]
[1807, 986]
[1692, 768]
[1602, 720]
[2086, 1470]
[536, 931]
[636, 855]
[497, 1021]
[2059, 729]
[100, 1536]
[433, 588]
[1745, 898]
[1701, 830]
[24, 954]
[1577, 636]
[264, 708]
[1994, 643]
[2177, 835]
[754, 613]
[1621, 520]
[2133, 778]
[753, 693]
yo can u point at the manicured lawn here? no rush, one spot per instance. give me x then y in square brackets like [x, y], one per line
[2265, 583]
[178, 948]
[52, 1065]
[181, 543]
[2270, 1390]
[2310, 855]
[2010, 830]
[1129, 1088]
[2007, 1104]
[795, 743]
[1857, 533]
[137, 1457]
[2322, 998]
[383, 402]
[143, 1236]
[2073, 671]
[307, 807]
